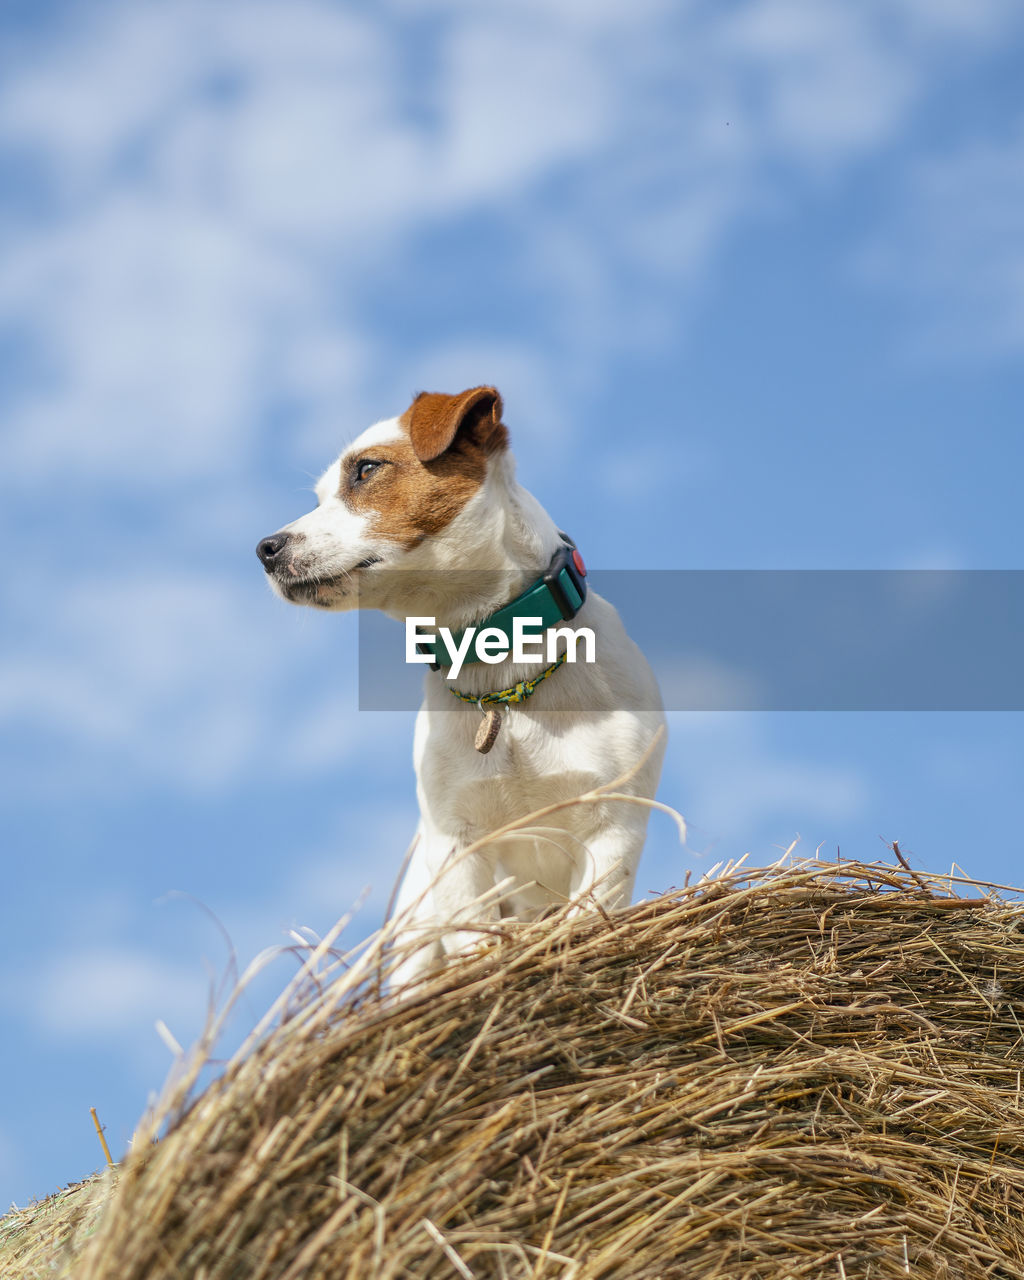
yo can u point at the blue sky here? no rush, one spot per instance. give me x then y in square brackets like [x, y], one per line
[750, 277]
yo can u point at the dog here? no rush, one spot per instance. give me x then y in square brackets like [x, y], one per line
[422, 517]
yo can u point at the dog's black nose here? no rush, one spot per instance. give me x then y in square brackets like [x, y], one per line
[269, 549]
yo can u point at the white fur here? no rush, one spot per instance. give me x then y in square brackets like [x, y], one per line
[580, 730]
[336, 537]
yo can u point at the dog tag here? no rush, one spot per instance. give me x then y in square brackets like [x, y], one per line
[487, 734]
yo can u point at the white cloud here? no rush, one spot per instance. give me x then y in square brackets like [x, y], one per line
[114, 990]
[182, 676]
[104, 77]
[144, 313]
[324, 731]
[823, 82]
[955, 248]
[363, 856]
[515, 106]
[732, 782]
[971, 19]
[582, 15]
[185, 286]
[233, 180]
[238, 184]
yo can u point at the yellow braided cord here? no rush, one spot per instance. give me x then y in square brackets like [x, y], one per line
[518, 693]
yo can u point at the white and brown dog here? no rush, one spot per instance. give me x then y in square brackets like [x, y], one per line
[433, 493]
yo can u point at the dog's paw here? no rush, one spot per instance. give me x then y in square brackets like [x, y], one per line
[468, 943]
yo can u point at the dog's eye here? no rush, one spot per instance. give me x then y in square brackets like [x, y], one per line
[364, 469]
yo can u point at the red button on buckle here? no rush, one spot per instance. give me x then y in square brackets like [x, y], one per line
[577, 560]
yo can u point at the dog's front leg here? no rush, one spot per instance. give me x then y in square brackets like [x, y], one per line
[462, 890]
[605, 871]
[416, 936]
[438, 904]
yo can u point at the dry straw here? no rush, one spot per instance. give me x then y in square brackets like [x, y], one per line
[802, 1071]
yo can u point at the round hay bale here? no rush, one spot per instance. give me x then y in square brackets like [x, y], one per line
[805, 1072]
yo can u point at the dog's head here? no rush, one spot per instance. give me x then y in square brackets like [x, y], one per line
[389, 501]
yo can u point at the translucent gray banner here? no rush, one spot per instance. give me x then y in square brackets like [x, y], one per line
[786, 640]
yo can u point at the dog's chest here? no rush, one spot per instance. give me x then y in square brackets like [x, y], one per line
[464, 792]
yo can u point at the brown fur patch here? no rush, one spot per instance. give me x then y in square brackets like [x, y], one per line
[436, 422]
[408, 500]
[416, 492]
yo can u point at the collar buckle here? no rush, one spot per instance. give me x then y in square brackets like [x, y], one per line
[565, 579]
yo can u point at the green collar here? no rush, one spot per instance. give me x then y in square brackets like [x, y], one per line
[556, 596]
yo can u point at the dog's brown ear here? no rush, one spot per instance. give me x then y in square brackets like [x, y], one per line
[435, 421]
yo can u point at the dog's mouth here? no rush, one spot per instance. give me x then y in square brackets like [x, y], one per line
[322, 591]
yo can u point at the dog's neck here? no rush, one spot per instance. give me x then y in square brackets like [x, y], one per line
[502, 541]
